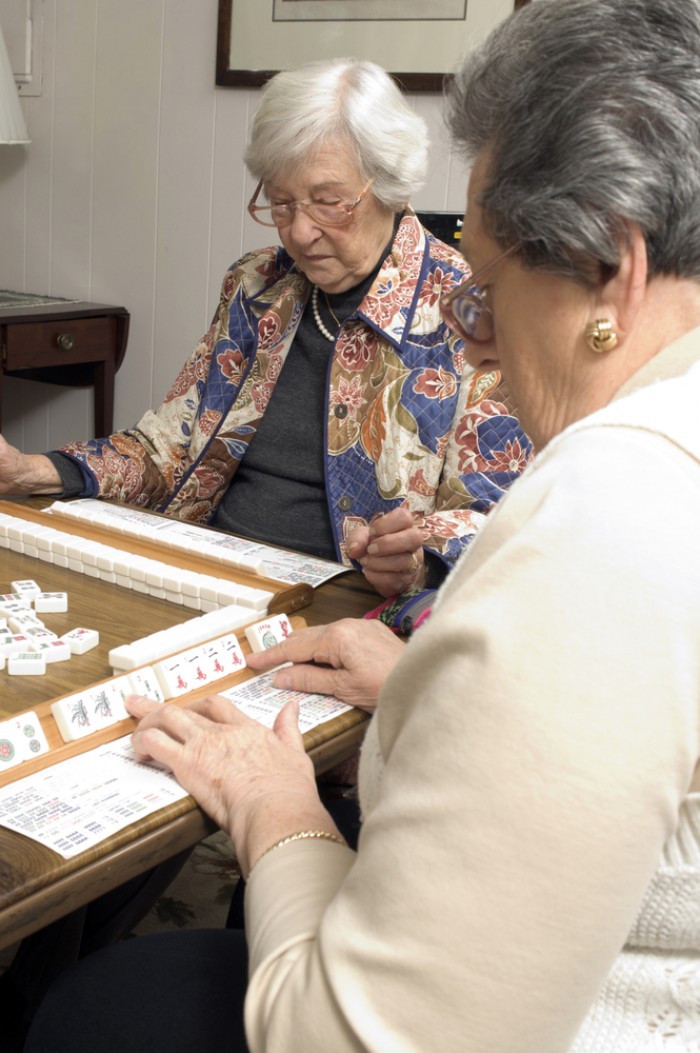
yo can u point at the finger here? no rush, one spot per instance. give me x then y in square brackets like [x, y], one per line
[286, 726]
[410, 540]
[155, 744]
[140, 706]
[175, 721]
[301, 646]
[311, 679]
[357, 542]
[405, 564]
[218, 709]
[391, 522]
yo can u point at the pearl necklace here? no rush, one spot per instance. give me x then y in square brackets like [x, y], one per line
[317, 316]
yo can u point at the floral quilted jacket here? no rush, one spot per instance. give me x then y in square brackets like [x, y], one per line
[406, 419]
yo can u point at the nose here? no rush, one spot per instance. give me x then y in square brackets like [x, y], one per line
[303, 228]
[482, 355]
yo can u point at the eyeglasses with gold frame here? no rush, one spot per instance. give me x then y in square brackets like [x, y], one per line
[465, 309]
[337, 214]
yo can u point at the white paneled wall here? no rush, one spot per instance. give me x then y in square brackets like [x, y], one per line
[133, 192]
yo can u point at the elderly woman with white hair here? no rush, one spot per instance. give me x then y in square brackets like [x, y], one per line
[374, 443]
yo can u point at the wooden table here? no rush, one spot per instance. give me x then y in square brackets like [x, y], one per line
[75, 344]
[36, 885]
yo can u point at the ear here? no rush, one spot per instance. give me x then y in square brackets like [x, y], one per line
[621, 298]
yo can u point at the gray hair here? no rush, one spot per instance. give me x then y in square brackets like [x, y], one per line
[341, 100]
[588, 113]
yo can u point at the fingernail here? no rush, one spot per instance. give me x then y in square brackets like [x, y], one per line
[372, 550]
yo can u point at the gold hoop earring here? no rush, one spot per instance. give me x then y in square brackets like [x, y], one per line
[600, 336]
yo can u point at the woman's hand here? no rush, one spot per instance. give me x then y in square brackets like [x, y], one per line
[27, 473]
[256, 783]
[349, 659]
[390, 551]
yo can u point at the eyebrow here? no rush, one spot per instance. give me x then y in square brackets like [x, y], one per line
[325, 185]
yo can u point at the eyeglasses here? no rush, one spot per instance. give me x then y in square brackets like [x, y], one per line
[335, 215]
[464, 308]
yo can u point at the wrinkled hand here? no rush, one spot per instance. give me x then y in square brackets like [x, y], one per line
[350, 659]
[390, 551]
[25, 473]
[256, 783]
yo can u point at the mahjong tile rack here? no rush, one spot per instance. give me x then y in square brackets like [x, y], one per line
[149, 553]
[161, 679]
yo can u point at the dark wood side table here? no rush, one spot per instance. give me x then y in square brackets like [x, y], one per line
[64, 342]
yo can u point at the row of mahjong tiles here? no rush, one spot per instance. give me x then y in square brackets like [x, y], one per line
[170, 532]
[114, 565]
[102, 705]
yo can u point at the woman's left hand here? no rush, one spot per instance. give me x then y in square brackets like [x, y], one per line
[257, 784]
[390, 551]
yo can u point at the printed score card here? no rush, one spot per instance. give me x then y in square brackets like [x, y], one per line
[73, 805]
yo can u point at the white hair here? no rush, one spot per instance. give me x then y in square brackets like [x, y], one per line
[345, 101]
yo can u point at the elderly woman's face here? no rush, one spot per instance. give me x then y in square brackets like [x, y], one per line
[334, 258]
[539, 324]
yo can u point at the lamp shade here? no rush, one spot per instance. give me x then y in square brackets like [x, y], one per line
[12, 126]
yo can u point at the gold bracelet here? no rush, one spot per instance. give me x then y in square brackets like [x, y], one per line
[302, 835]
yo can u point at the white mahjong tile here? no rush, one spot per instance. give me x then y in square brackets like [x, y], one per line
[53, 650]
[269, 632]
[173, 676]
[37, 628]
[11, 746]
[26, 663]
[120, 686]
[12, 601]
[72, 718]
[81, 640]
[104, 704]
[27, 588]
[198, 667]
[145, 682]
[13, 643]
[51, 602]
[235, 659]
[213, 658]
[32, 736]
[21, 623]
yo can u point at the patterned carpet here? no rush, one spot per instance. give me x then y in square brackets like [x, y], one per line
[199, 896]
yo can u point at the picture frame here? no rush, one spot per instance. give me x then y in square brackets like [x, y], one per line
[257, 38]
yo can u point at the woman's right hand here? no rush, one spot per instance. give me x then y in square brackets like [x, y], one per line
[27, 473]
[349, 659]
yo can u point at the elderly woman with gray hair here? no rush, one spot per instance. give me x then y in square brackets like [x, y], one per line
[528, 874]
[373, 443]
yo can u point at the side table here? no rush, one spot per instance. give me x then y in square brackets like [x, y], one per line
[64, 342]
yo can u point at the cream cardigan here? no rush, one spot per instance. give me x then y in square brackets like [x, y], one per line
[528, 875]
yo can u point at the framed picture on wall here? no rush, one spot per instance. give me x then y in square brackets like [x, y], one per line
[256, 38]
